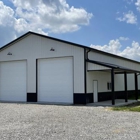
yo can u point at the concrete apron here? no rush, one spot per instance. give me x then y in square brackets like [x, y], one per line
[118, 102]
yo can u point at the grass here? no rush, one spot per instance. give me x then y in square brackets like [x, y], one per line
[132, 107]
[133, 97]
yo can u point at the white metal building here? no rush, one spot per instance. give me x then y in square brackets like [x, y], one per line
[38, 68]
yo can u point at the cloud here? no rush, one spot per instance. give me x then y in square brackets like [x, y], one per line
[114, 46]
[42, 16]
[128, 18]
[132, 51]
[123, 38]
[137, 3]
[129, 1]
[7, 21]
[55, 15]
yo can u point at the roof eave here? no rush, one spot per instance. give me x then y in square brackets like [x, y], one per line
[71, 43]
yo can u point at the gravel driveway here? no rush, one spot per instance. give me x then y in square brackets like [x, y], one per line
[54, 122]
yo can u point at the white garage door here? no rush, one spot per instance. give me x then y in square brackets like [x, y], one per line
[13, 81]
[55, 80]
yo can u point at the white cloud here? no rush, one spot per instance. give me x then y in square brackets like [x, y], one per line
[42, 16]
[123, 38]
[114, 46]
[6, 15]
[128, 18]
[132, 51]
[55, 15]
[129, 1]
[7, 21]
[137, 3]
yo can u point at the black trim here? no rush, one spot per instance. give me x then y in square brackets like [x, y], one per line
[104, 70]
[112, 88]
[136, 86]
[109, 85]
[104, 96]
[89, 98]
[99, 63]
[75, 44]
[31, 97]
[85, 72]
[37, 79]
[128, 72]
[121, 94]
[14, 41]
[111, 66]
[125, 86]
[81, 98]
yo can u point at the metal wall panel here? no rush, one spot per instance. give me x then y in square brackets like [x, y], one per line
[104, 77]
[92, 66]
[119, 82]
[119, 78]
[101, 77]
[34, 47]
[113, 60]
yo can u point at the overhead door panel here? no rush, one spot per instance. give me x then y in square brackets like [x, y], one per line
[13, 81]
[55, 80]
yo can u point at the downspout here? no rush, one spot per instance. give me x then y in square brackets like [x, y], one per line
[85, 72]
[87, 53]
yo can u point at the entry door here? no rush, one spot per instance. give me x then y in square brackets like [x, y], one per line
[95, 91]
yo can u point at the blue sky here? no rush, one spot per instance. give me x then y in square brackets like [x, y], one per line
[107, 25]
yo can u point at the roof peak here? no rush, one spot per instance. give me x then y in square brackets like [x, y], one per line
[64, 41]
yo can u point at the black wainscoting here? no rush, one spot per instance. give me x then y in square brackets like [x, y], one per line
[81, 98]
[89, 97]
[31, 97]
[104, 96]
[121, 94]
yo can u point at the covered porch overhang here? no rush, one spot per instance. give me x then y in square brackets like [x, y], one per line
[115, 69]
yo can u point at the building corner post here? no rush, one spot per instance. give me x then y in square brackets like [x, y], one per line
[112, 83]
[136, 86]
[125, 86]
[85, 75]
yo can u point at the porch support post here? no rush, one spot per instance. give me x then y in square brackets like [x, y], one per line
[125, 86]
[85, 75]
[136, 86]
[112, 83]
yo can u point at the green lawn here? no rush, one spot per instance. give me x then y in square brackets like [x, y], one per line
[133, 97]
[133, 107]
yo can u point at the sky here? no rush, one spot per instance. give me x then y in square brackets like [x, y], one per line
[108, 25]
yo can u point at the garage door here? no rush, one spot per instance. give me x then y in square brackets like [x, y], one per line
[13, 81]
[55, 80]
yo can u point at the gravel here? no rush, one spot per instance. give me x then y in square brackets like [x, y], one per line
[56, 122]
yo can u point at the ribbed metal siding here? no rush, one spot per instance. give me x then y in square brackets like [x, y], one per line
[113, 60]
[101, 77]
[92, 66]
[34, 47]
